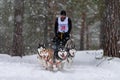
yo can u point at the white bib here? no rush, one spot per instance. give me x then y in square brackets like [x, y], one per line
[62, 25]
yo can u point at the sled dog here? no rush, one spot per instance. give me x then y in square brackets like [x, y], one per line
[46, 56]
[70, 47]
[61, 58]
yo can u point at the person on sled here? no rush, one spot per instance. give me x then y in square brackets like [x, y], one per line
[62, 30]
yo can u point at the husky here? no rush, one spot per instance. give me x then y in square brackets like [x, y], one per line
[45, 56]
[70, 46]
[61, 58]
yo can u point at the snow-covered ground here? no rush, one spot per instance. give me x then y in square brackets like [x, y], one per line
[85, 67]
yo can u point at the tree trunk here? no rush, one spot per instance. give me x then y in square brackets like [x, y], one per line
[102, 18]
[18, 49]
[87, 38]
[52, 9]
[46, 24]
[82, 31]
[111, 24]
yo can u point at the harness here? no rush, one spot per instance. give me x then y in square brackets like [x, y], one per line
[48, 60]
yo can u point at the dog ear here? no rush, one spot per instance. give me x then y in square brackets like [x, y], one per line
[38, 45]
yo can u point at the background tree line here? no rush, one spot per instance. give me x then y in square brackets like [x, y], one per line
[31, 22]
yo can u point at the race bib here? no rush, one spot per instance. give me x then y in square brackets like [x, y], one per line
[63, 28]
[63, 25]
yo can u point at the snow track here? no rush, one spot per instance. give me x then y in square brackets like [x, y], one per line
[83, 68]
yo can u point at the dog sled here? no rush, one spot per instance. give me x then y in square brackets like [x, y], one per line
[59, 53]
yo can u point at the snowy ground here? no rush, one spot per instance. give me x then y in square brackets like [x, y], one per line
[85, 67]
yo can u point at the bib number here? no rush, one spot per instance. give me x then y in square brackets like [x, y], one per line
[63, 28]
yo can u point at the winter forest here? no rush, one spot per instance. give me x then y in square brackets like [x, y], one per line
[26, 23]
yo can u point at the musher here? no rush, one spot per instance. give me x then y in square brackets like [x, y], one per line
[62, 30]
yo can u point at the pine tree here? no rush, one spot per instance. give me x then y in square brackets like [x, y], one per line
[82, 31]
[18, 49]
[110, 25]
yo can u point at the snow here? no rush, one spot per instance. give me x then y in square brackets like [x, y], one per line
[85, 67]
[10, 18]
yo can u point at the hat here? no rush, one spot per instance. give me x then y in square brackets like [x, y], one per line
[63, 12]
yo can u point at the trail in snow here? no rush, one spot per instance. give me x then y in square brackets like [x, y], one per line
[84, 68]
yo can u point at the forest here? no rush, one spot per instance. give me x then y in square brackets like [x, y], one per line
[26, 23]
